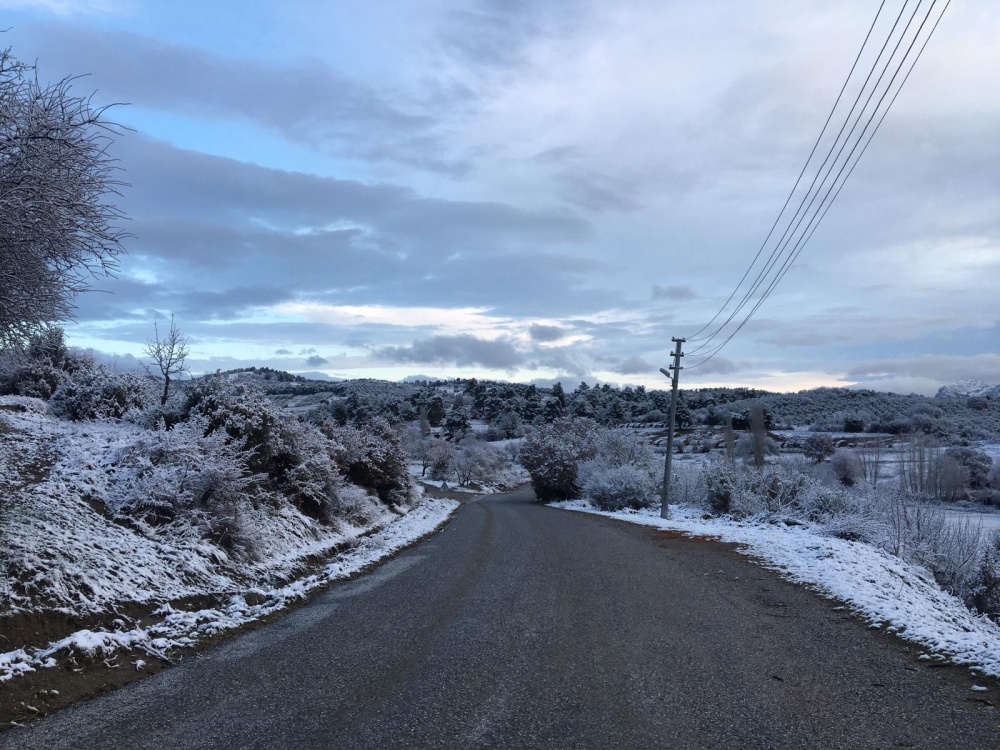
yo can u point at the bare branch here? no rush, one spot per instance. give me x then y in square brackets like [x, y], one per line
[57, 228]
[168, 355]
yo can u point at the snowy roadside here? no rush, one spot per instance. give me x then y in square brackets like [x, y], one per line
[887, 592]
[180, 629]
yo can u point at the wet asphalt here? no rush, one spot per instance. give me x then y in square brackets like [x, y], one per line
[523, 626]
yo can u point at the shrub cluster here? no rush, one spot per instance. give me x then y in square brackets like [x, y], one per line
[552, 455]
[622, 473]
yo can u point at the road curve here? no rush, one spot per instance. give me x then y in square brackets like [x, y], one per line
[524, 626]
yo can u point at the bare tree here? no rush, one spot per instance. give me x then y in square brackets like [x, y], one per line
[57, 229]
[168, 355]
[758, 434]
[870, 456]
[729, 438]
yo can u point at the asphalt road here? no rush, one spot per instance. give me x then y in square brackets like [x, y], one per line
[523, 626]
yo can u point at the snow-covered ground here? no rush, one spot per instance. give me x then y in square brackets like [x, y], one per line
[176, 629]
[65, 551]
[989, 522]
[886, 591]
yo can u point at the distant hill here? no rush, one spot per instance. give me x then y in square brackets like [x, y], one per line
[966, 388]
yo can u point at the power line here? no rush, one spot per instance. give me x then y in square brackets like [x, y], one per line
[825, 204]
[798, 179]
[779, 248]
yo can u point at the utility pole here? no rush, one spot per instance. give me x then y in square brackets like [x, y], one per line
[676, 367]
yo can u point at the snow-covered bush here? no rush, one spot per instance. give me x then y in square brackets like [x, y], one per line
[304, 468]
[100, 393]
[622, 473]
[819, 447]
[440, 455]
[886, 516]
[618, 487]
[45, 365]
[483, 463]
[372, 457]
[846, 467]
[985, 594]
[188, 481]
[553, 453]
[242, 412]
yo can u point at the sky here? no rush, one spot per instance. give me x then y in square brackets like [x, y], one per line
[532, 191]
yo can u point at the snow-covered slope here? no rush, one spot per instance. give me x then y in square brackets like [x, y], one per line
[63, 550]
[966, 388]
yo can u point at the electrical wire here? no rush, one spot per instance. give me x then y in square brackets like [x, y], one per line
[694, 337]
[782, 243]
[827, 202]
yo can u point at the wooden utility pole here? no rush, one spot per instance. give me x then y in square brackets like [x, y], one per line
[676, 367]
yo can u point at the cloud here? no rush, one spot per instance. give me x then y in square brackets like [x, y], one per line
[280, 352]
[936, 368]
[462, 350]
[306, 102]
[634, 366]
[310, 350]
[544, 333]
[678, 293]
[715, 366]
[317, 361]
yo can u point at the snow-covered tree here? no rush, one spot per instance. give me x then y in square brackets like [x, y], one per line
[553, 453]
[57, 226]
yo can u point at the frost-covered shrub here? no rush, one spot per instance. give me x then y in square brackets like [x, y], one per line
[187, 481]
[618, 487]
[372, 457]
[846, 467]
[303, 466]
[440, 454]
[45, 365]
[818, 447]
[100, 393]
[977, 463]
[985, 593]
[687, 483]
[622, 473]
[481, 462]
[241, 411]
[553, 453]
[719, 487]
[745, 492]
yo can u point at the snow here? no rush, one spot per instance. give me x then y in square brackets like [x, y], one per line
[989, 522]
[176, 629]
[887, 592]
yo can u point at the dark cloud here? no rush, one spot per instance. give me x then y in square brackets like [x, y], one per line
[544, 333]
[285, 352]
[119, 299]
[679, 292]
[306, 102]
[310, 350]
[935, 367]
[716, 366]
[462, 350]
[317, 361]
[634, 366]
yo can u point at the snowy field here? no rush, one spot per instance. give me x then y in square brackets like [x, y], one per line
[889, 593]
[989, 522]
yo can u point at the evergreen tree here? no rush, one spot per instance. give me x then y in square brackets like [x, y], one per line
[435, 411]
